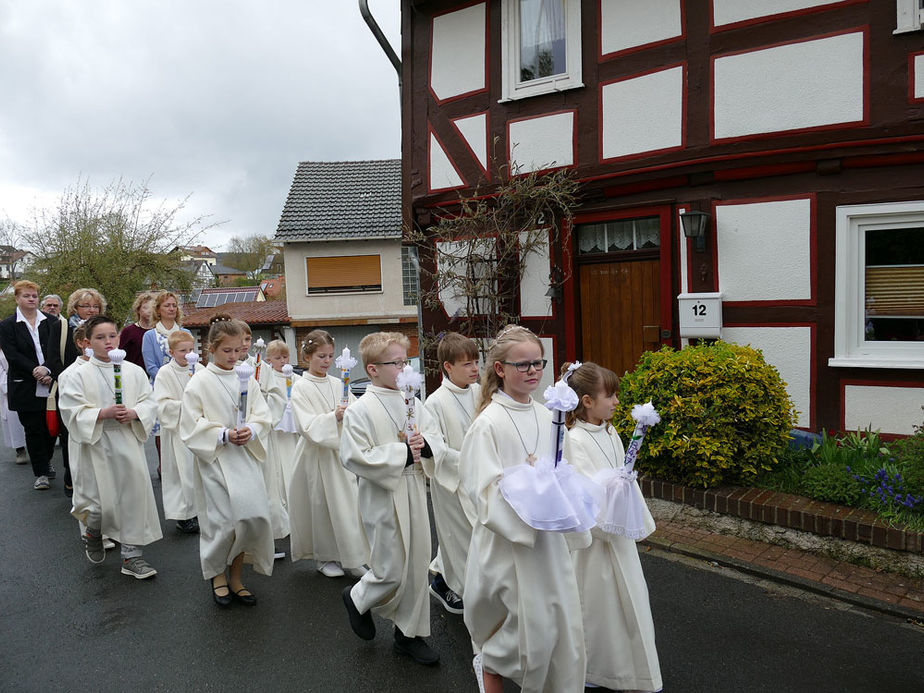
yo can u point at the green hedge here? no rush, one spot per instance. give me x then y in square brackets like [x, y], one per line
[725, 413]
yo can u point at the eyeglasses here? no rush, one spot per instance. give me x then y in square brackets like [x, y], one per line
[396, 364]
[524, 366]
[85, 306]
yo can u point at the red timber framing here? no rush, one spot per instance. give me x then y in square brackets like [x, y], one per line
[875, 160]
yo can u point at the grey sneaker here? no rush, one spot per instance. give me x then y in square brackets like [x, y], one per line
[137, 567]
[41, 483]
[94, 547]
[52, 472]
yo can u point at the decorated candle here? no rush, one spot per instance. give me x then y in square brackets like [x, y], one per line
[116, 357]
[408, 382]
[244, 372]
[345, 363]
[192, 358]
[560, 398]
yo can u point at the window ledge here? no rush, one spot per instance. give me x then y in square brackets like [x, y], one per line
[909, 362]
[552, 89]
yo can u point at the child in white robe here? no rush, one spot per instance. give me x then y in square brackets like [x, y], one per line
[522, 606]
[392, 500]
[112, 484]
[178, 488]
[234, 517]
[453, 406]
[280, 451]
[323, 496]
[618, 628]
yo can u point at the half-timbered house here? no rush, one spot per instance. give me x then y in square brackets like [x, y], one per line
[794, 128]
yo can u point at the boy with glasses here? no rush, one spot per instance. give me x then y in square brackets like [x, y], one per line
[392, 500]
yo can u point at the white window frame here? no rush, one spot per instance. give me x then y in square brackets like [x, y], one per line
[851, 350]
[511, 86]
[909, 16]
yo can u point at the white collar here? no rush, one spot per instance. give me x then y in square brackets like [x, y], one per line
[39, 316]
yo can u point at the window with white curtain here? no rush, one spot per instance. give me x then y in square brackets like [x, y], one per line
[541, 45]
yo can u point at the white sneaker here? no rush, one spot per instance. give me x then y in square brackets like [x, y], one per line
[279, 555]
[108, 544]
[331, 569]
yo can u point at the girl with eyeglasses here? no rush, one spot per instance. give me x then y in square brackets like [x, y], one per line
[522, 606]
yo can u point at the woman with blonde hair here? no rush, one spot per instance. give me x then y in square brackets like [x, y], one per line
[132, 336]
[83, 304]
[168, 318]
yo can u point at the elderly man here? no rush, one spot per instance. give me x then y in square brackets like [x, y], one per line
[52, 304]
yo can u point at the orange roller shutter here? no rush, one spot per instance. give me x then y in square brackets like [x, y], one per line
[344, 273]
[895, 291]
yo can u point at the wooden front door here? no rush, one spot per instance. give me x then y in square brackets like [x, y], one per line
[619, 265]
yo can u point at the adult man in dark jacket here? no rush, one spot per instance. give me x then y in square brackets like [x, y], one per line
[24, 338]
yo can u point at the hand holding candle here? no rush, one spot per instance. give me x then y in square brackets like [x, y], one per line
[408, 382]
[645, 416]
[192, 358]
[244, 372]
[116, 358]
[345, 363]
[560, 398]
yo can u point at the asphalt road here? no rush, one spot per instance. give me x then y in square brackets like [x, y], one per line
[67, 625]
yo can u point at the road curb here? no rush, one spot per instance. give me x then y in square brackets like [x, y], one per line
[786, 579]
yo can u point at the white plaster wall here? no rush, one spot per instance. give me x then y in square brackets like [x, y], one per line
[919, 76]
[889, 409]
[451, 260]
[729, 11]
[629, 23]
[764, 250]
[799, 85]
[789, 349]
[535, 282]
[474, 130]
[643, 114]
[458, 52]
[388, 303]
[542, 142]
[550, 374]
[442, 173]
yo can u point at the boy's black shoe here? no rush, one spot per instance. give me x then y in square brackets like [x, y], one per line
[451, 601]
[415, 648]
[362, 624]
[190, 526]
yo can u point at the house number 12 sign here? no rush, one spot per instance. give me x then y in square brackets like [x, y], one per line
[700, 315]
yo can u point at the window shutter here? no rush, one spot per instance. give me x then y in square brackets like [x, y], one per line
[895, 291]
[344, 273]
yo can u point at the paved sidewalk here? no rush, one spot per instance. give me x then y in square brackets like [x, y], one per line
[886, 592]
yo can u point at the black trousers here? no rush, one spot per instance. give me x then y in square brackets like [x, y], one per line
[39, 444]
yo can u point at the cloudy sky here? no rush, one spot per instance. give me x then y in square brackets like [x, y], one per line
[219, 99]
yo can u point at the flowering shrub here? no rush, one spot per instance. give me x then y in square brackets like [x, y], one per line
[885, 491]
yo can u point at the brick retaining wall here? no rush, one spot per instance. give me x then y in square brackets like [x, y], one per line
[787, 510]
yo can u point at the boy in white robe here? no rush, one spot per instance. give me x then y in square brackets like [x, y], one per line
[323, 496]
[453, 406]
[178, 487]
[392, 500]
[280, 449]
[112, 486]
[229, 452]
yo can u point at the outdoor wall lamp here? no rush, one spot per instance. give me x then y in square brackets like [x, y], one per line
[555, 291]
[694, 225]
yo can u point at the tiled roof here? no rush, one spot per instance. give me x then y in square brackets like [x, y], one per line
[218, 269]
[343, 200]
[253, 313]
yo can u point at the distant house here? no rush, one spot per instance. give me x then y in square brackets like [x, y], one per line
[219, 296]
[200, 273]
[196, 252]
[273, 288]
[268, 320]
[345, 267]
[226, 276]
[13, 262]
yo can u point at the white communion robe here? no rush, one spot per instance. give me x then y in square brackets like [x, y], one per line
[618, 628]
[110, 469]
[393, 506]
[323, 496]
[178, 486]
[453, 408]
[13, 433]
[280, 449]
[234, 515]
[522, 606]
